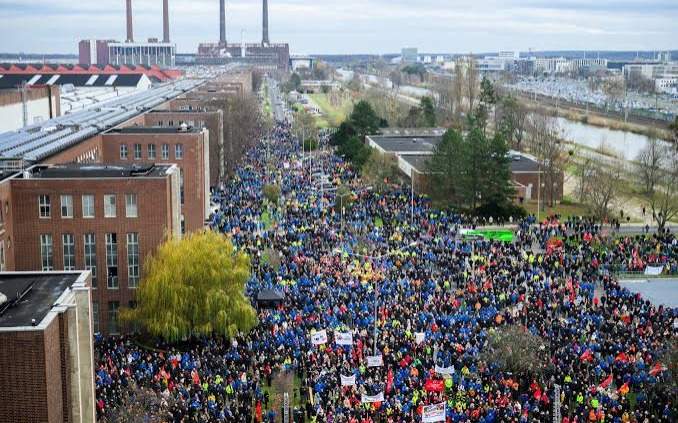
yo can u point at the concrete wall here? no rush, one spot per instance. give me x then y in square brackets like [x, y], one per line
[41, 104]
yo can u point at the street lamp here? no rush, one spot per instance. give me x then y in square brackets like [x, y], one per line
[376, 286]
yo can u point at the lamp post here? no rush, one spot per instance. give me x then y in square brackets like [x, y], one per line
[376, 285]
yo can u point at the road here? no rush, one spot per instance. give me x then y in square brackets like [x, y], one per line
[277, 104]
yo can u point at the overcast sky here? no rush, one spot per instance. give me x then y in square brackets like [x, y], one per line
[353, 26]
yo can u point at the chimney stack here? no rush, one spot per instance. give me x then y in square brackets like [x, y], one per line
[222, 22]
[265, 40]
[165, 21]
[130, 33]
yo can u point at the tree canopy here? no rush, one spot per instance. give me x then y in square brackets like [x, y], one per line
[194, 287]
[350, 135]
[471, 170]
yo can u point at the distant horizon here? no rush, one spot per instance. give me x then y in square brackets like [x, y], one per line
[339, 28]
[640, 52]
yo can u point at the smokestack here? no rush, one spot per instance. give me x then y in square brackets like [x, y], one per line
[165, 21]
[264, 40]
[222, 22]
[130, 32]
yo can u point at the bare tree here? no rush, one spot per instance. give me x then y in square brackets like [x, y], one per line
[602, 189]
[139, 405]
[664, 201]
[472, 81]
[649, 163]
[515, 349]
[304, 126]
[585, 169]
[546, 144]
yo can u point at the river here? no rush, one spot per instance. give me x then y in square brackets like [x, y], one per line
[624, 144]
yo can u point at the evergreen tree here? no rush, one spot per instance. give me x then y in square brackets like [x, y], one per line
[472, 172]
[428, 112]
[364, 120]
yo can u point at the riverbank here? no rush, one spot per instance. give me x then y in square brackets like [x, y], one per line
[594, 118]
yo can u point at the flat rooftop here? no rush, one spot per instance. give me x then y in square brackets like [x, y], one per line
[522, 163]
[419, 162]
[519, 162]
[40, 292]
[155, 130]
[407, 144]
[81, 171]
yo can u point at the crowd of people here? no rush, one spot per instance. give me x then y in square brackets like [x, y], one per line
[387, 311]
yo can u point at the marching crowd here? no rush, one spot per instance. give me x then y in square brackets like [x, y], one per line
[388, 309]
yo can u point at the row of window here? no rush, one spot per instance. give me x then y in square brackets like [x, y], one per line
[110, 206]
[113, 312]
[151, 151]
[90, 256]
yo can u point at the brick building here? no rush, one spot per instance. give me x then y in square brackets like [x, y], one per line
[46, 352]
[187, 147]
[213, 121]
[412, 153]
[105, 219]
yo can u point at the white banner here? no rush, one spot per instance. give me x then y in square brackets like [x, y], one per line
[375, 361]
[343, 338]
[319, 338]
[347, 380]
[445, 371]
[372, 398]
[433, 413]
[654, 270]
[419, 337]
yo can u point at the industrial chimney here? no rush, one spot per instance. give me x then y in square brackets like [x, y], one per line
[222, 22]
[265, 40]
[165, 21]
[130, 32]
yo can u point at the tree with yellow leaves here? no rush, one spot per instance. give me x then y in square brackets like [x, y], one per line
[194, 287]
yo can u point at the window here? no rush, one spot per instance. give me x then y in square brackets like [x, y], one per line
[179, 151]
[112, 261]
[165, 151]
[151, 151]
[123, 151]
[88, 206]
[45, 207]
[66, 206]
[46, 252]
[170, 123]
[131, 209]
[2, 256]
[95, 316]
[133, 259]
[91, 257]
[109, 205]
[68, 244]
[183, 225]
[113, 307]
[137, 151]
[181, 186]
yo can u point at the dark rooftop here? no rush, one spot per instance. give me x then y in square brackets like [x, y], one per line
[419, 162]
[408, 144]
[154, 130]
[79, 171]
[43, 291]
[521, 163]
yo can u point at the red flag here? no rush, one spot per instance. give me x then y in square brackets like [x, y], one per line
[432, 385]
[389, 381]
[259, 413]
[622, 357]
[657, 368]
[605, 383]
[587, 356]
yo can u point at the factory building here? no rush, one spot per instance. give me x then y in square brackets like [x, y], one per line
[265, 56]
[150, 53]
[20, 107]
